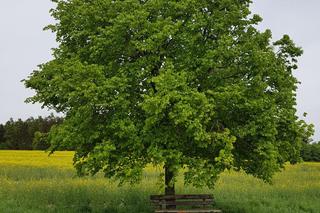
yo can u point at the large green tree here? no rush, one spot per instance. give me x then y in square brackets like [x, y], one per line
[183, 84]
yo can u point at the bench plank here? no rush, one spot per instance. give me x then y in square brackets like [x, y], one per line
[204, 203]
[183, 203]
[188, 211]
[186, 196]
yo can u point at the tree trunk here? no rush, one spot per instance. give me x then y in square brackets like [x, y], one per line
[169, 184]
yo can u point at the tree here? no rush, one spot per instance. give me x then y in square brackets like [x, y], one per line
[40, 141]
[17, 135]
[2, 137]
[28, 134]
[183, 84]
[311, 152]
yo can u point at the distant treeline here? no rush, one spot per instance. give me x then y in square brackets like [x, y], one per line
[27, 135]
[311, 152]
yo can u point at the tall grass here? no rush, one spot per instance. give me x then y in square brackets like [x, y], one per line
[30, 181]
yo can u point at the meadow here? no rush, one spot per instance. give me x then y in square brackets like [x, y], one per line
[30, 181]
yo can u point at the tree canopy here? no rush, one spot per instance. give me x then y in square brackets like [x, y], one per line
[186, 84]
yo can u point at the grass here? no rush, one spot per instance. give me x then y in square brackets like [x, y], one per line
[30, 181]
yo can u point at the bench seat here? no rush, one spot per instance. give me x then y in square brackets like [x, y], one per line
[199, 203]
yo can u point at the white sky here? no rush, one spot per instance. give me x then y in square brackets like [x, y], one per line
[23, 45]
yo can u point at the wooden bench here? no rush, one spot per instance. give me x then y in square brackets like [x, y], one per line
[200, 203]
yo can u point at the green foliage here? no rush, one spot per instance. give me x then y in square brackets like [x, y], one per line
[3, 144]
[311, 152]
[28, 134]
[189, 84]
[40, 141]
[17, 135]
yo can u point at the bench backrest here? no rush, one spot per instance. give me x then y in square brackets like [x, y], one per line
[200, 200]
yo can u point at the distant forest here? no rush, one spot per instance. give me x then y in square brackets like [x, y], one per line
[311, 152]
[32, 133]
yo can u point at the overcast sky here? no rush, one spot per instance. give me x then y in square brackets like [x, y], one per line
[23, 45]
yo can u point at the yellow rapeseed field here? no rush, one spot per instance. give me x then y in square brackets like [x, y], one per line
[32, 181]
